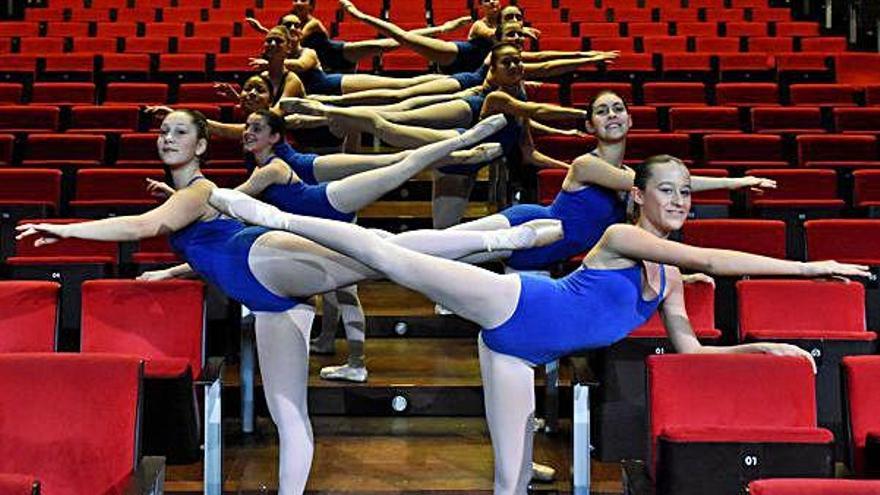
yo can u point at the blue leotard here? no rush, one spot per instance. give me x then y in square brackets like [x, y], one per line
[585, 214]
[303, 199]
[471, 79]
[471, 55]
[303, 164]
[331, 53]
[587, 309]
[218, 250]
[318, 82]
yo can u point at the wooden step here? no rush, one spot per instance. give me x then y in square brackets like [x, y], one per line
[418, 209]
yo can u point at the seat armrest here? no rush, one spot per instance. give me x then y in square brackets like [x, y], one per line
[148, 479]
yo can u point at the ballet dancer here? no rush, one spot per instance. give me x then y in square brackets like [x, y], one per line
[530, 320]
[272, 273]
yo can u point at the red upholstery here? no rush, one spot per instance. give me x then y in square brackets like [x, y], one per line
[813, 486]
[117, 29]
[226, 177]
[749, 434]
[861, 375]
[137, 93]
[747, 94]
[112, 187]
[29, 118]
[71, 446]
[641, 146]
[7, 142]
[835, 151]
[133, 63]
[632, 63]
[202, 93]
[787, 120]
[747, 29]
[42, 46]
[28, 186]
[648, 29]
[94, 46]
[168, 333]
[714, 197]
[674, 94]
[771, 45]
[138, 150]
[704, 120]
[751, 63]
[625, 45]
[549, 184]
[146, 45]
[866, 188]
[65, 149]
[717, 45]
[872, 94]
[10, 93]
[699, 300]
[154, 250]
[644, 119]
[823, 44]
[582, 92]
[704, 29]
[165, 29]
[543, 93]
[28, 316]
[765, 237]
[801, 62]
[565, 148]
[746, 150]
[69, 249]
[104, 119]
[561, 43]
[198, 45]
[835, 95]
[404, 60]
[801, 309]
[857, 68]
[850, 241]
[732, 394]
[70, 65]
[687, 62]
[17, 484]
[857, 120]
[598, 29]
[631, 15]
[182, 62]
[797, 189]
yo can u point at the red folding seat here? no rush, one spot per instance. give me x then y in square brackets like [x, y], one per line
[824, 95]
[837, 151]
[746, 66]
[761, 4]
[182, 15]
[583, 93]
[564, 44]
[824, 44]
[92, 15]
[68, 67]
[67, 29]
[771, 45]
[631, 15]
[138, 150]
[857, 120]
[764, 237]
[797, 189]
[549, 184]
[45, 14]
[214, 29]
[857, 68]
[31, 118]
[69, 261]
[551, 26]
[717, 421]
[136, 93]
[598, 29]
[688, 65]
[644, 119]
[543, 93]
[116, 29]
[64, 150]
[618, 408]
[354, 31]
[704, 120]
[664, 44]
[630, 66]
[10, 93]
[28, 316]
[674, 94]
[674, 14]
[702, 29]
[25, 193]
[719, 15]
[225, 153]
[59, 93]
[146, 45]
[717, 45]
[872, 94]
[126, 66]
[802, 29]
[5, 45]
[609, 44]
[7, 143]
[165, 30]
[41, 46]
[866, 190]
[171, 343]
[706, 4]
[648, 29]
[565, 148]
[155, 253]
[252, 46]
[94, 46]
[747, 94]
[778, 15]
[404, 61]
[111, 192]
[812, 486]
[786, 120]
[861, 374]
[182, 67]
[93, 403]
[747, 29]
[714, 203]
[24, 29]
[199, 45]
[231, 67]
[113, 119]
[803, 66]
[744, 150]
[202, 93]
[844, 240]
[229, 178]
[640, 146]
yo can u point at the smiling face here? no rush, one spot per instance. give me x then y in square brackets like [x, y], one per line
[255, 95]
[276, 43]
[665, 198]
[179, 142]
[511, 13]
[293, 23]
[507, 66]
[609, 119]
[258, 136]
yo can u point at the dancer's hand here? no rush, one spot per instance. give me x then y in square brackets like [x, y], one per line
[49, 233]
[258, 64]
[831, 268]
[256, 25]
[349, 7]
[755, 184]
[159, 190]
[532, 32]
[155, 275]
[227, 90]
[159, 112]
[697, 278]
[606, 56]
[779, 349]
[454, 24]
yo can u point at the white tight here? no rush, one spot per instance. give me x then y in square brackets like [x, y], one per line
[509, 396]
[283, 350]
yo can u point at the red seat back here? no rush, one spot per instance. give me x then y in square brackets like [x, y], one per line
[28, 316]
[765, 237]
[861, 376]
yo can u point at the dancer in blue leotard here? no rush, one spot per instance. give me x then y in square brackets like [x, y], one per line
[622, 281]
[274, 273]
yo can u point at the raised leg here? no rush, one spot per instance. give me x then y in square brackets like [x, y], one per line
[353, 51]
[446, 115]
[450, 195]
[353, 83]
[509, 395]
[282, 345]
[386, 95]
[340, 165]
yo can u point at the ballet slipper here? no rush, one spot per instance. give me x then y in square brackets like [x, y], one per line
[531, 234]
[483, 129]
[305, 106]
[480, 153]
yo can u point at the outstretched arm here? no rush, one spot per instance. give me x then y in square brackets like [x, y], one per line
[501, 102]
[178, 271]
[276, 172]
[307, 60]
[546, 129]
[535, 157]
[631, 242]
[700, 183]
[590, 169]
[544, 55]
[479, 29]
[256, 25]
[557, 67]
